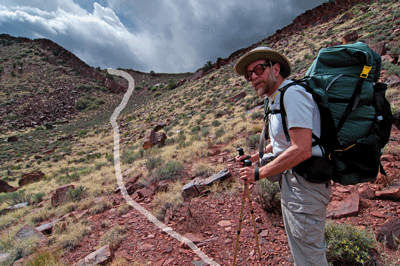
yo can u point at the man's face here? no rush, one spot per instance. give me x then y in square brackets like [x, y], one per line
[263, 84]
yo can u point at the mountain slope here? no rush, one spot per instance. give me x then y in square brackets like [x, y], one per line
[204, 127]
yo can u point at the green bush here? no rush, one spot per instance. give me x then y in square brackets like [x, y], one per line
[171, 170]
[391, 68]
[215, 123]
[347, 245]
[219, 132]
[48, 126]
[253, 141]
[38, 197]
[268, 196]
[256, 115]
[68, 178]
[129, 156]
[76, 194]
[88, 103]
[152, 163]
[16, 197]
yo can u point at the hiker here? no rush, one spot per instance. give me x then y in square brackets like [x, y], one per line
[303, 203]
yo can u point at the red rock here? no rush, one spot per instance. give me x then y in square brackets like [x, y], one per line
[378, 214]
[60, 195]
[389, 193]
[5, 187]
[348, 207]
[388, 232]
[237, 97]
[350, 37]
[31, 177]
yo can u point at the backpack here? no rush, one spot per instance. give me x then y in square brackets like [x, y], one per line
[356, 117]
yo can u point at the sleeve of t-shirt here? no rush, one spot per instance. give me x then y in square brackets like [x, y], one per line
[299, 107]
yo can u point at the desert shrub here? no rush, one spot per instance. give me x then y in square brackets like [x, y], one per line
[45, 257]
[152, 163]
[268, 196]
[16, 197]
[215, 123]
[253, 141]
[88, 103]
[68, 178]
[129, 156]
[170, 170]
[171, 85]
[114, 236]
[205, 131]
[84, 87]
[391, 68]
[256, 115]
[195, 129]
[48, 126]
[76, 194]
[347, 245]
[219, 132]
[38, 197]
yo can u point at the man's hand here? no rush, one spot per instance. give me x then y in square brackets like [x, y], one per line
[240, 159]
[247, 174]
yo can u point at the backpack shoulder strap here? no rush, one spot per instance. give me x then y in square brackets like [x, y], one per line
[301, 82]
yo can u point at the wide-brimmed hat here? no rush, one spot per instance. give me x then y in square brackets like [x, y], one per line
[261, 53]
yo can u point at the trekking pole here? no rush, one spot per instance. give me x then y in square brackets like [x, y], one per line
[246, 192]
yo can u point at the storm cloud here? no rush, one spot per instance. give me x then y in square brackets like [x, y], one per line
[159, 35]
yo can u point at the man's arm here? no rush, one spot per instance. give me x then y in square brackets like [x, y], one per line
[299, 151]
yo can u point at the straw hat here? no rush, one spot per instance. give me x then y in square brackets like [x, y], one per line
[260, 53]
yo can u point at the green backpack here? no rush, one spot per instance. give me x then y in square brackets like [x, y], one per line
[356, 117]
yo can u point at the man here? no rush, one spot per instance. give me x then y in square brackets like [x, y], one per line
[303, 203]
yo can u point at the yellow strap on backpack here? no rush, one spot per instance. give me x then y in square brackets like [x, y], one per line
[351, 146]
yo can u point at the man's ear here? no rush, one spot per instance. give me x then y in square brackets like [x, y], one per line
[277, 69]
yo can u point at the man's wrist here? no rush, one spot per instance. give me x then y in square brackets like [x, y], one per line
[256, 174]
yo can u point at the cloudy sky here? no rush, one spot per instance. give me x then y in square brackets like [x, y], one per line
[167, 36]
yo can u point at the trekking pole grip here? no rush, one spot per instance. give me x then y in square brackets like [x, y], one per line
[246, 161]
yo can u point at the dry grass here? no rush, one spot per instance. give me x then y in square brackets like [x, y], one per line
[194, 104]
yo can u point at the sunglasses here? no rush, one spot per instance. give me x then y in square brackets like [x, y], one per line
[258, 69]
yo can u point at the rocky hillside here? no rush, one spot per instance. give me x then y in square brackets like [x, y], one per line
[58, 178]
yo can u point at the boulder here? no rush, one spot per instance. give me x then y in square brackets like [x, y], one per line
[5, 187]
[131, 185]
[159, 126]
[348, 207]
[31, 177]
[389, 232]
[237, 97]
[12, 139]
[153, 138]
[379, 48]
[350, 37]
[28, 231]
[100, 256]
[196, 187]
[60, 195]
[389, 193]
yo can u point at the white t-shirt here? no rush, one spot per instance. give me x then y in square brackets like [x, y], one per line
[301, 111]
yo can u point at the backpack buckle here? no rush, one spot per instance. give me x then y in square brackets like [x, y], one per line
[366, 70]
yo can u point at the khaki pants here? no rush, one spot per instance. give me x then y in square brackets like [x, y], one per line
[304, 213]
